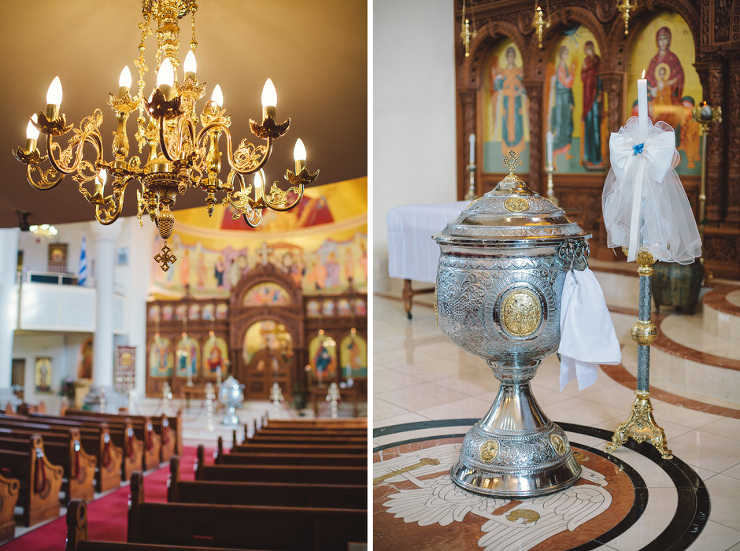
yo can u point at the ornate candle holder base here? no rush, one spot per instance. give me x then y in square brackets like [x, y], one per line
[641, 426]
[515, 450]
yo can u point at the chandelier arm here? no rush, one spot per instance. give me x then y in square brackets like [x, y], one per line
[278, 205]
[75, 149]
[253, 217]
[233, 164]
[113, 204]
[163, 143]
[108, 212]
[50, 178]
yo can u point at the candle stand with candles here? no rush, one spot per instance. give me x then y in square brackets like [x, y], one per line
[470, 195]
[647, 213]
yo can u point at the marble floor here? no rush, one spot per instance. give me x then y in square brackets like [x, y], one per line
[423, 385]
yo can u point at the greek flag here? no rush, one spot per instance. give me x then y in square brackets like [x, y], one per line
[82, 269]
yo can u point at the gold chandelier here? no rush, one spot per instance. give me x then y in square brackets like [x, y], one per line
[180, 156]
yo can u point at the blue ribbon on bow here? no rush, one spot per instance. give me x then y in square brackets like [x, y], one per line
[637, 149]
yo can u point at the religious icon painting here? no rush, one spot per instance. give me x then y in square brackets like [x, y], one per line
[42, 375]
[84, 362]
[194, 312]
[222, 311]
[574, 99]
[322, 351]
[665, 50]
[267, 293]
[313, 309]
[343, 308]
[505, 108]
[215, 355]
[187, 357]
[154, 312]
[181, 312]
[328, 307]
[161, 357]
[353, 356]
[209, 311]
[167, 312]
[57, 260]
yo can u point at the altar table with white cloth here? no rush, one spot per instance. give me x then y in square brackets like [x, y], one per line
[412, 253]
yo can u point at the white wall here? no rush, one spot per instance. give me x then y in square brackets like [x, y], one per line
[132, 281]
[413, 104]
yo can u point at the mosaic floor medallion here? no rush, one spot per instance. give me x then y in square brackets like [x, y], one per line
[630, 497]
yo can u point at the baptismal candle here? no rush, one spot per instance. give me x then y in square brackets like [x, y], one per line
[471, 140]
[642, 104]
[549, 148]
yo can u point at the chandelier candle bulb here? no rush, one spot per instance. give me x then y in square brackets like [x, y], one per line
[166, 79]
[53, 99]
[124, 81]
[100, 182]
[217, 96]
[190, 66]
[642, 105]
[32, 134]
[269, 100]
[258, 186]
[299, 154]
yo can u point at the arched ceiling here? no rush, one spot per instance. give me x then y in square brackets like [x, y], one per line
[315, 53]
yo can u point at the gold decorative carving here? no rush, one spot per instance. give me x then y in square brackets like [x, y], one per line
[525, 515]
[558, 444]
[512, 161]
[424, 461]
[516, 204]
[165, 257]
[641, 426]
[488, 451]
[521, 313]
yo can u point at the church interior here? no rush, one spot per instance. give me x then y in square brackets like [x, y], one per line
[522, 365]
[150, 333]
[455, 457]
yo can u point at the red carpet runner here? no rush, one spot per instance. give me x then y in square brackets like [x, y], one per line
[107, 517]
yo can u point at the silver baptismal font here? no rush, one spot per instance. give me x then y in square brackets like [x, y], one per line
[501, 272]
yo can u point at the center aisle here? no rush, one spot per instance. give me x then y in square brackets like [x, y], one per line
[108, 515]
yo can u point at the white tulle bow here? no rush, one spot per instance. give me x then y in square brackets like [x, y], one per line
[644, 203]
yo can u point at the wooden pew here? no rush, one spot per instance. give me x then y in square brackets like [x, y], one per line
[267, 527]
[122, 435]
[77, 539]
[143, 431]
[318, 440]
[292, 449]
[352, 423]
[40, 481]
[8, 498]
[64, 450]
[169, 429]
[95, 440]
[279, 473]
[350, 496]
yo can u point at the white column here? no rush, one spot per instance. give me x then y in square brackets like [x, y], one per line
[104, 274]
[8, 310]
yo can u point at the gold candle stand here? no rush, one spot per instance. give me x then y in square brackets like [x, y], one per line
[641, 424]
[550, 186]
[470, 195]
